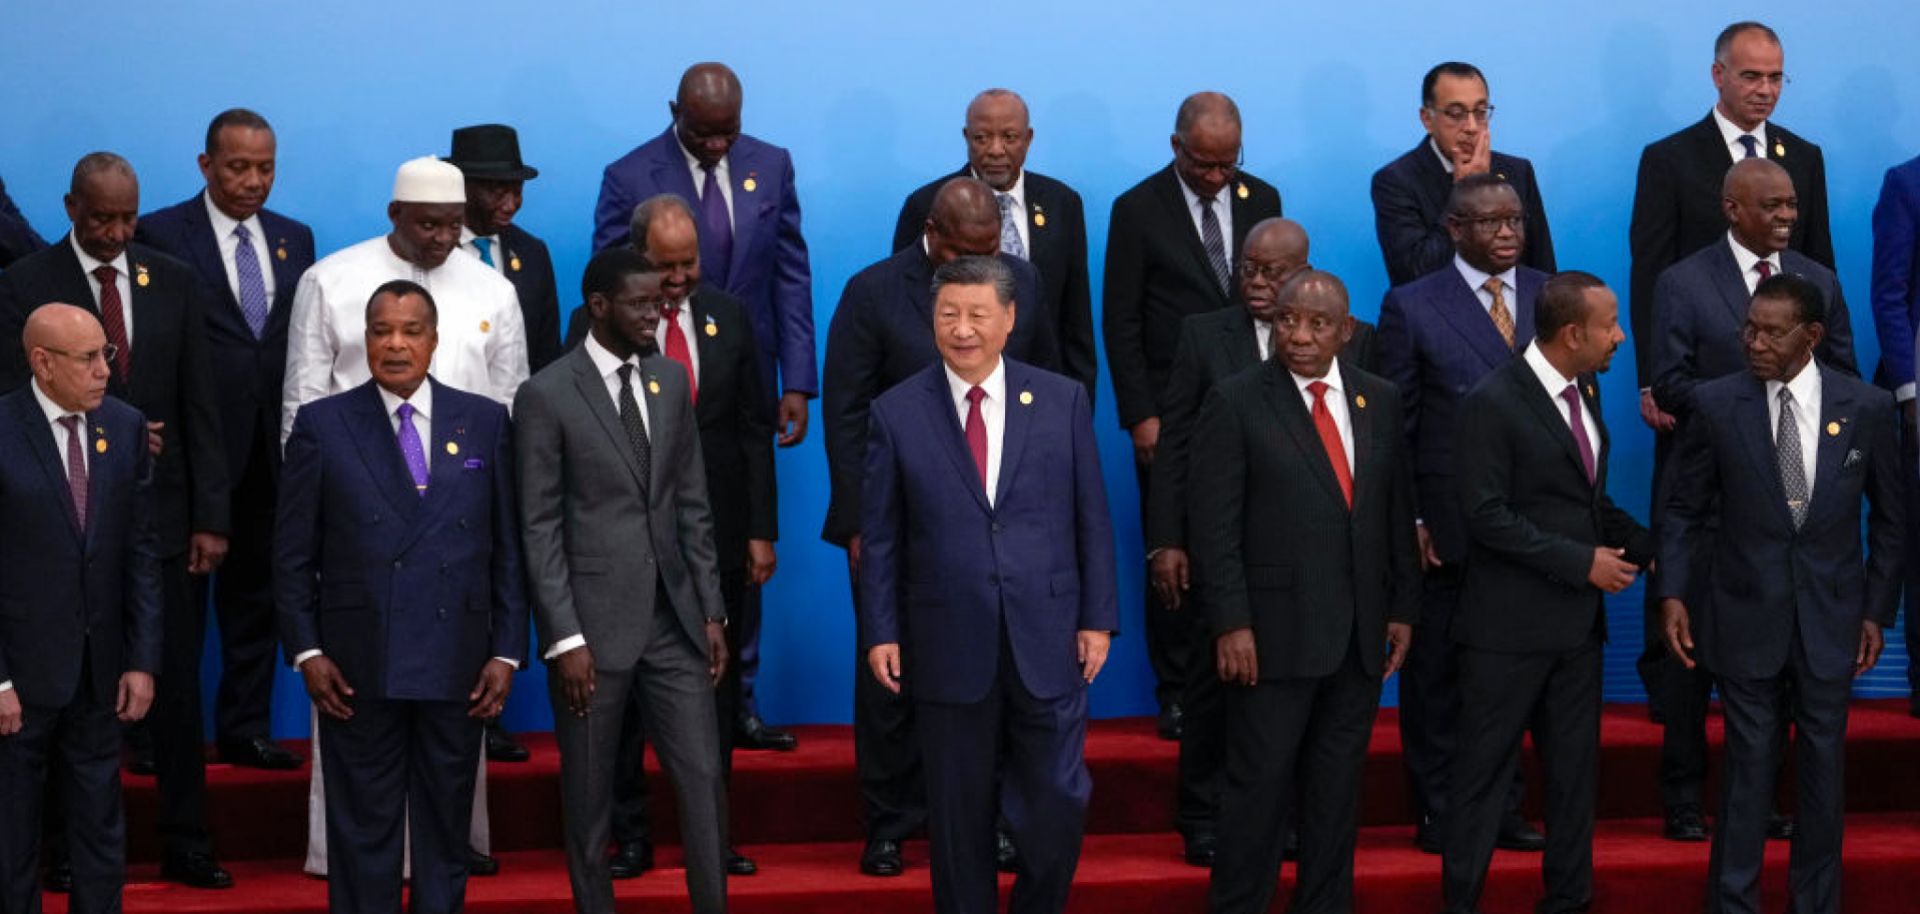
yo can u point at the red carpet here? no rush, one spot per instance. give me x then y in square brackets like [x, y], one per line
[807, 831]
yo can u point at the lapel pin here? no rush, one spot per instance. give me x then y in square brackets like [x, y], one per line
[99, 445]
[1039, 216]
[513, 263]
[1241, 191]
[1360, 400]
[486, 326]
[1779, 150]
[280, 253]
[1026, 398]
[1833, 429]
[1501, 175]
[453, 449]
[750, 185]
[653, 387]
[713, 328]
[140, 275]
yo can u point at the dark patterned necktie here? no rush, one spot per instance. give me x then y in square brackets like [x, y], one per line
[1787, 455]
[253, 283]
[76, 469]
[636, 426]
[719, 226]
[1215, 243]
[411, 449]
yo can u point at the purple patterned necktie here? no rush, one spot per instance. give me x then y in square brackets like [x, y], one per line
[1580, 442]
[713, 211]
[253, 286]
[416, 456]
[76, 469]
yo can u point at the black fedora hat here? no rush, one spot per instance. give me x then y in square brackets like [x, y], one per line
[490, 152]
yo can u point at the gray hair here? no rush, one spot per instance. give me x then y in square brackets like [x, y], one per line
[976, 270]
[649, 209]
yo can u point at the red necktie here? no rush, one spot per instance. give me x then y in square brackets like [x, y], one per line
[76, 469]
[977, 433]
[677, 350]
[1765, 269]
[114, 320]
[1330, 439]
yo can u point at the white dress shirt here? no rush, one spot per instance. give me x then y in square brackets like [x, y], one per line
[1445, 162]
[223, 226]
[1263, 337]
[1806, 415]
[1336, 400]
[1555, 383]
[722, 173]
[494, 251]
[483, 337]
[54, 413]
[1477, 281]
[683, 316]
[1222, 210]
[1730, 134]
[993, 414]
[121, 281]
[1749, 263]
[1019, 194]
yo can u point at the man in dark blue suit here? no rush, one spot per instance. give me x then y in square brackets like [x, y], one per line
[1788, 612]
[883, 333]
[399, 582]
[1896, 314]
[1439, 336]
[17, 237]
[988, 592]
[1410, 193]
[80, 615]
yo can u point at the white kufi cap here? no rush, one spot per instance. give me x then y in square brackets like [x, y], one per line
[429, 180]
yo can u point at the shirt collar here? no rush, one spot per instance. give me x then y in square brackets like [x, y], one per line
[1018, 191]
[605, 361]
[55, 412]
[1730, 132]
[1193, 199]
[1477, 278]
[720, 170]
[88, 264]
[1550, 377]
[223, 224]
[1445, 162]
[1746, 258]
[1332, 380]
[467, 236]
[422, 400]
[1805, 386]
[995, 385]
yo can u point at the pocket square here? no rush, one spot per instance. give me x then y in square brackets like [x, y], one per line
[1854, 457]
[474, 463]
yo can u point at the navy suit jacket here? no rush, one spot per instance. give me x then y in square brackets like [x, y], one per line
[1436, 343]
[17, 237]
[1896, 283]
[530, 269]
[1773, 581]
[1676, 210]
[249, 371]
[1699, 308]
[408, 594]
[64, 590]
[768, 271]
[881, 334]
[1410, 213]
[1057, 247]
[943, 573]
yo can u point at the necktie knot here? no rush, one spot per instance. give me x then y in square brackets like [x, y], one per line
[240, 232]
[484, 245]
[72, 423]
[405, 412]
[669, 311]
[1571, 394]
[626, 374]
[1765, 270]
[105, 273]
[1494, 286]
[1319, 391]
[1752, 144]
[975, 395]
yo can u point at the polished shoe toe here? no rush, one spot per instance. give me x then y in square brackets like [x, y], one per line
[1780, 827]
[882, 858]
[631, 860]
[739, 864]
[1006, 856]
[502, 748]
[196, 870]
[479, 864]
[1171, 723]
[259, 752]
[1517, 834]
[1201, 849]
[753, 733]
[58, 878]
[1685, 823]
[1427, 836]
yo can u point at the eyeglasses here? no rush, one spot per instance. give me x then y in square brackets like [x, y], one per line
[1271, 272]
[1460, 114]
[1489, 225]
[1751, 78]
[1774, 337]
[106, 353]
[1202, 165]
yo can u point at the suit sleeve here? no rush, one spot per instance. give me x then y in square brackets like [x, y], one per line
[1539, 234]
[754, 432]
[1123, 318]
[793, 295]
[1217, 512]
[613, 212]
[17, 237]
[543, 335]
[1078, 356]
[1093, 527]
[1895, 217]
[509, 568]
[14, 371]
[310, 348]
[1687, 497]
[1180, 409]
[1403, 545]
[1400, 362]
[1886, 519]
[296, 541]
[1486, 455]
[1674, 371]
[1411, 246]
[694, 516]
[1652, 237]
[853, 380]
[143, 591]
[1818, 242]
[1836, 348]
[539, 443]
[882, 527]
[1044, 342]
[507, 349]
[206, 448]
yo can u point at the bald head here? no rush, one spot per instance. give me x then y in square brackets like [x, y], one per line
[1283, 236]
[964, 221]
[1758, 200]
[1206, 142]
[706, 111]
[1275, 250]
[1214, 109]
[65, 348]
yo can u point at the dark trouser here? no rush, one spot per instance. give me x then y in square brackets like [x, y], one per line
[677, 698]
[398, 768]
[243, 598]
[179, 735]
[1430, 699]
[1170, 643]
[744, 621]
[1556, 696]
[1011, 752]
[1303, 739]
[1910, 471]
[1683, 744]
[1755, 710]
[886, 753]
[74, 751]
[1203, 735]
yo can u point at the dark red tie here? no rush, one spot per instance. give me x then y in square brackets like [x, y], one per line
[114, 320]
[1765, 268]
[1571, 394]
[1330, 439]
[677, 350]
[977, 433]
[76, 469]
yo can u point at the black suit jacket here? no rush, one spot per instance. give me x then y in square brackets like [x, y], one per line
[530, 269]
[736, 437]
[17, 237]
[1410, 213]
[1275, 546]
[1213, 347]
[1676, 211]
[1772, 581]
[1533, 519]
[172, 372]
[1057, 248]
[1157, 274]
[248, 374]
[882, 334]
[1699, 309]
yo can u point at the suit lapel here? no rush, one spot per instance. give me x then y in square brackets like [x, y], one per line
[207, 259]
[1548, 409]
[914, 279]
[1834, 437]
[742, 167]
[1241, 343]
[1710, 147]
[286, 276]
[1529, 293]
[1040, 238]
[39, 438]
[708, 344]
[1361, 418]
[654, 391]
[1013, 436]
[1283, 397]
[1726, 278]
[1460, 306]
[941, 412]
[1754, 425]
[593, 392]
[379, 449]
[445, 454]
[1180, 220]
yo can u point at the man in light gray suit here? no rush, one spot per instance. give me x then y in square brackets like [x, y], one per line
[620, 553]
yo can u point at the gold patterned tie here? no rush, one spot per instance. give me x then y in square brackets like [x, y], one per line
[1502, 318]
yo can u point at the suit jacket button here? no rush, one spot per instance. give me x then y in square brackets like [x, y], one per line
[997, 528]
[443, 612]
[397, 564]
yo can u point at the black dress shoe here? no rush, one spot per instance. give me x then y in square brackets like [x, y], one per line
[259, 752]
[1171, 721]
[1517, 834]
[1427, 836]
[1685, 823]
[479, 864]
[58, 878]
[1780, 827]
[500, 744]
[140, 763]
[882, 858]
[753, 733]
[1006, 857]
[195, 870]
[739, 864]
[631, 860]
[1201, 848]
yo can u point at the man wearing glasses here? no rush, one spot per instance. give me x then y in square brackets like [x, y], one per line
[1170, 244]
[1410, 193]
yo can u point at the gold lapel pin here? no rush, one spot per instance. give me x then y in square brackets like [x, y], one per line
[1833, 429]
[653, 387]
[1039, 217]
[750, 185]
[713, 329]
[1026, 398]
[280, 253]
[140, 275]
[1241, 191]
[1779, 150]
[486, 326]
[513, 263]
[1360, 400]
[452, 448]
[1590, 392]
[100, 445]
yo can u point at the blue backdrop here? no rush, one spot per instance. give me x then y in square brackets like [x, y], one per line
[869, 96]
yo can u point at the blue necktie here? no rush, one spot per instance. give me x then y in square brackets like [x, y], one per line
[1753, 145]
[485, 247]
[410, 449]
[253, 286]
[1010, 228]
[713, 211]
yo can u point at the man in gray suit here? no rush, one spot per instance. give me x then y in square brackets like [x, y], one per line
[620, 552]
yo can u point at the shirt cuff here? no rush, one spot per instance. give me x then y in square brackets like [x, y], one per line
[304, 656]
[564, 645]
[1904, 392]
[6, 686]
[509, 661]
